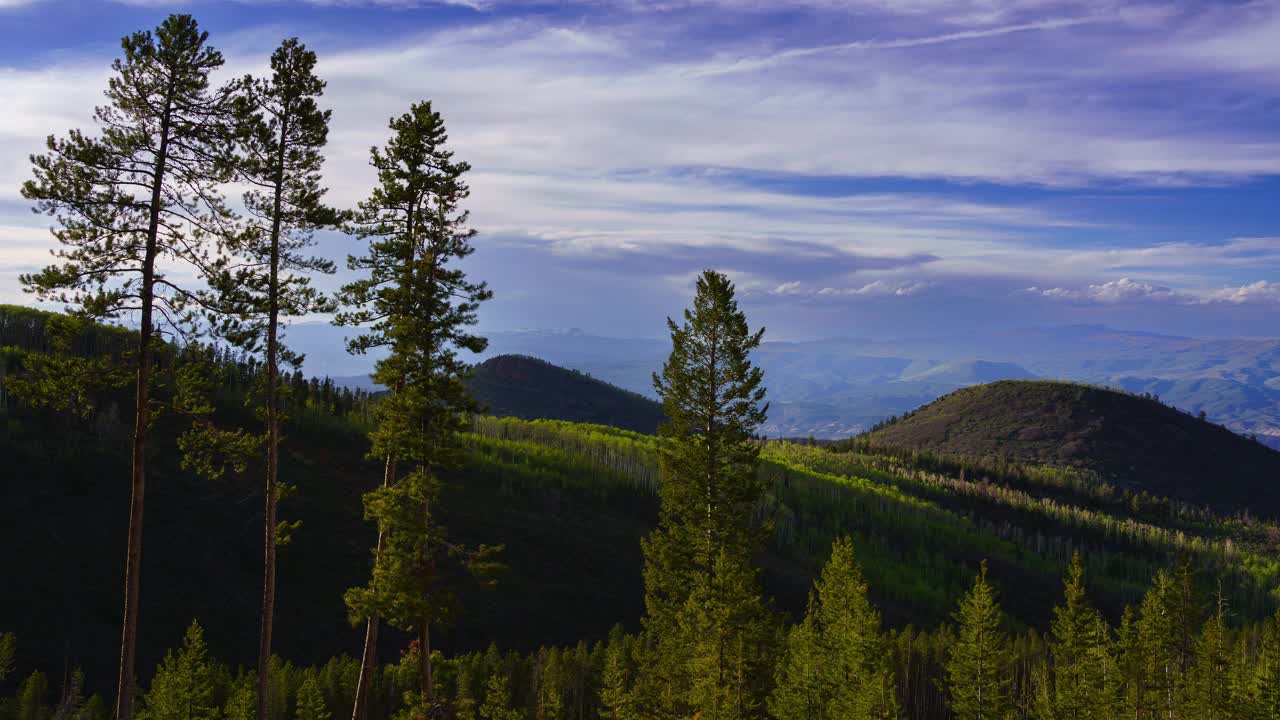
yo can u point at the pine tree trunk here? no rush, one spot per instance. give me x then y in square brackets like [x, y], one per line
[141, 429]
[273, 442]
[368, 656]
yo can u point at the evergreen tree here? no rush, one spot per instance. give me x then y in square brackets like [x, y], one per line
[1266, 694]
[310, 703]
[242, 703]
[729, 629]
[1166, 624]
[549, 683]
[183, 687]
[280, 132]
[617, 677]
[1211, 673]
[497, 699]
[708, 489]
[8, 649]
[73, 705]
[1083, 681]
[978, 672]
[31, 693]
[1137, 697]
[132, 206]
[836, 661]
[416, 303]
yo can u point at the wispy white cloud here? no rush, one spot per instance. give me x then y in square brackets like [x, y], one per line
[1129, 291]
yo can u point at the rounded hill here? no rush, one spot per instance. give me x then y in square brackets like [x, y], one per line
[1130, 440]
[532, 389]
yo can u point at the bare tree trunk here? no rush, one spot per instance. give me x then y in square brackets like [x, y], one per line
[141, 429]
[368, 656]
[272, 492]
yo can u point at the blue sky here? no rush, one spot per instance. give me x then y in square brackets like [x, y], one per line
[867, 168]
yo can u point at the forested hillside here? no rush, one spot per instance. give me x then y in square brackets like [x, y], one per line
[1132, 441]
[569, 502]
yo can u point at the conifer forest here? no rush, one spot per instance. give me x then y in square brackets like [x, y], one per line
[195, 529]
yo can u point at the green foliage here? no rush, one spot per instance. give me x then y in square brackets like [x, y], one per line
[497, 699]
[415, 301]
[836, 663]
[1265, 694]
[707, 627]
[30, 701]
[8, 649]
[310, 703]
[1084, 681]
[978, 672]
[145, 188]
[183, 687]
[242, 700]
[1212, 690]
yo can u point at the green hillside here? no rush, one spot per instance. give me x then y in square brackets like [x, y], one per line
[1129, 440]
[570, 502]
[529, 388]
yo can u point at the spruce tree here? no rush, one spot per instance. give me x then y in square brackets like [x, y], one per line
[241, 701]
[1166, 625]
[310, 703]
[801, 690]
[1266, 694]
[708, 488]
[978, 672]
[617, 677]
[417, 304]
[549, 683]
[134, 208]
[1209, 684]
[183, 687]
[497, 699]
[1083, 680]
[31, 693]
[1136, 693]
[280, 133]
[836, 661]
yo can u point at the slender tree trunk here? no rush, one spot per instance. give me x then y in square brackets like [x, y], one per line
[141, 429]
[273, 442]
[369, 655]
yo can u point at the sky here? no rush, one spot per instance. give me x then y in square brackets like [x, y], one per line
[872, 168]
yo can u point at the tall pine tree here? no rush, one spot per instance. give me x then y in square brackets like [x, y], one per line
[701, 593]
[135, 206]
[418, 305]
[280, 133]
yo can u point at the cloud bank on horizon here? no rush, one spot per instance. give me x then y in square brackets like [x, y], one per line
[871, 167]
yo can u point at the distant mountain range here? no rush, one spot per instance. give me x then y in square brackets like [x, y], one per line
[834, 388]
